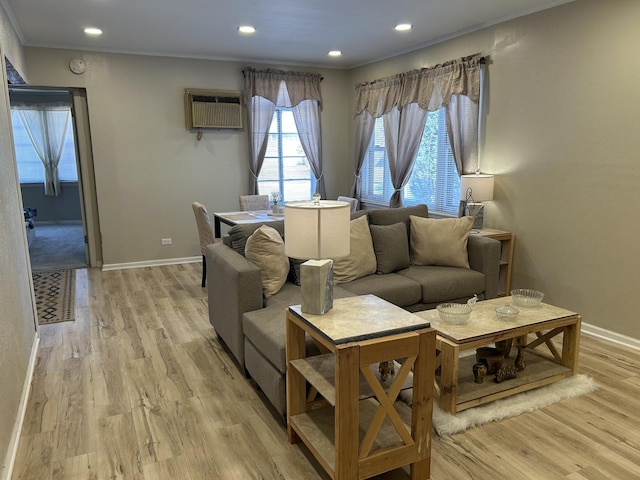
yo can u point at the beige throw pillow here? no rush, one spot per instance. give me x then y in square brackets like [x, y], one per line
[440, 241]
[361, 260]
[265, 248]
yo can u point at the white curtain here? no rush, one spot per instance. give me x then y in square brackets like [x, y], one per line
[46, 125]
[454, 85]
[296, 90]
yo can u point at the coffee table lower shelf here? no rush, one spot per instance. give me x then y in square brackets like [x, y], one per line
[317, 429]
[540, 370]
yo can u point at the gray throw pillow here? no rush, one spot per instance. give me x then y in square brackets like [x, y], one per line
[391, 246]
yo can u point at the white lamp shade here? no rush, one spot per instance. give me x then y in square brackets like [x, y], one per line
[317, 230]
[481, 185]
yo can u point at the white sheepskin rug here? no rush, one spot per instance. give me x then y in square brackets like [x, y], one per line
[446, 424]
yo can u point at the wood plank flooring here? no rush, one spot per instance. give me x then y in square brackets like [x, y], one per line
[139, 387]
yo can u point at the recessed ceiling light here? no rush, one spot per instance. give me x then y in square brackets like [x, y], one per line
[246, 29]
[335, 53]
[92, 31]
[403, 27]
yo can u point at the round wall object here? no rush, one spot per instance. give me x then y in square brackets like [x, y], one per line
[77, 66]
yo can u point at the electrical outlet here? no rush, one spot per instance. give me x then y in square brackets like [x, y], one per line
[166, 241]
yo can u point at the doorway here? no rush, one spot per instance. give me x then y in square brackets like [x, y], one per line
[60, 216]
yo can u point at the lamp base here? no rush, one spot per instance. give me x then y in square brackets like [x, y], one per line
[316, 283]
[476, 210]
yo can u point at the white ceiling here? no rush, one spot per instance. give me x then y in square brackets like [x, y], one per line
[288, 31]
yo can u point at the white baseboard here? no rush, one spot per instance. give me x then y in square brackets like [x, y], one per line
[610, 336]
[12, 451]
[151, 263]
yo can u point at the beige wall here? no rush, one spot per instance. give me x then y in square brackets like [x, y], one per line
[563, 108]
[149, 167]
[17, 319]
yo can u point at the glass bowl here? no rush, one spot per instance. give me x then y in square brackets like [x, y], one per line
[526, 297]
[454, 313]
[508, 313]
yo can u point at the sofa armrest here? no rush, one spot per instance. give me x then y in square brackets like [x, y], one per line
[484, 256]
[234, 286]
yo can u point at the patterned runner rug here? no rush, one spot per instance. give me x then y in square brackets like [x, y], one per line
[55, 295]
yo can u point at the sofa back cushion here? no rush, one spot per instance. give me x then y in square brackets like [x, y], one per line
[240, 233]
[361, 260]
[440, 241]
[391, 246]
[389, 216]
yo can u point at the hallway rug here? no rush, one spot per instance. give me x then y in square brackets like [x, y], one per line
[55, 295]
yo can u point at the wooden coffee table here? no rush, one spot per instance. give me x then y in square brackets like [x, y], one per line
[457, 389]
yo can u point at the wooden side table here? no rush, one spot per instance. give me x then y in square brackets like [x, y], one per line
[507, 241]
[345, 429]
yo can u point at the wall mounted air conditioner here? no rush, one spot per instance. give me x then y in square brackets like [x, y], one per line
[213, 108]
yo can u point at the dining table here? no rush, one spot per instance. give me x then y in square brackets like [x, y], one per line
[243, 217]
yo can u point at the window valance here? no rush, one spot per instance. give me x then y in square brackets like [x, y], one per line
[267, 84]
[431, 88]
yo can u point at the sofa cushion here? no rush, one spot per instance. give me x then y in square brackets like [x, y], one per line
[444, 284]
[361, 260]
[440, 241]
[240, 233]
[391, 246]
[265, 248]
[266, 328]
[397, 289]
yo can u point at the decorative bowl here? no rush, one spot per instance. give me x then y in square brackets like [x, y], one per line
[508, 313]
[454, 313]
[526, 297]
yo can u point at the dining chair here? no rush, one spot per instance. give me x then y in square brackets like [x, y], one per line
[205, 232]
[253, 203]
[350, 200]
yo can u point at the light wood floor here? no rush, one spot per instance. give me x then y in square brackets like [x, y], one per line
[138, 387]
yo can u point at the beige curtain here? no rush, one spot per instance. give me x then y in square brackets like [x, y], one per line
[402, 133]
[299, 91]
[431, 88]
[454, 85]
[365, 122]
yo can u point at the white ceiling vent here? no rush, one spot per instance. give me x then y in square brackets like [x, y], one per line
[213, 108]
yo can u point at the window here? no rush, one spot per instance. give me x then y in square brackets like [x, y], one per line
[434, 178]
[30, 167]
[285, 168]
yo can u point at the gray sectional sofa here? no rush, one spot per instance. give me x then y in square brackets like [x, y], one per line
[253, 328]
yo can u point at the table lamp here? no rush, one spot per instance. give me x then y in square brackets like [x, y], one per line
[317, 231]
[475, 188]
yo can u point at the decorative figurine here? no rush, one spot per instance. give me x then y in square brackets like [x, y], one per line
[491, 357]
[504, 346]
[505, 373]
[386, 368]
[479, 372]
